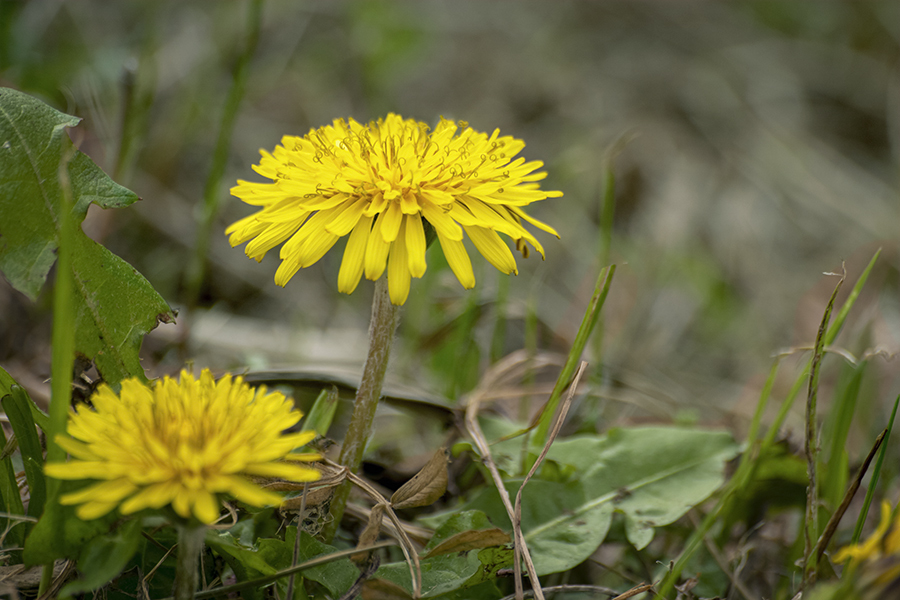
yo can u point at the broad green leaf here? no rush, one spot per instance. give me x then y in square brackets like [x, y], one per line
[245, 562]
[450, 572]
[337, 576]
[651, 475]
[273, 555]
[60, 533]
[562, 526]
[104, 557]
[115, 305]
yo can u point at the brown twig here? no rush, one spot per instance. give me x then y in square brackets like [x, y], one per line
[835, 519]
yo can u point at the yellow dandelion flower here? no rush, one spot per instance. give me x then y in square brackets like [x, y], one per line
[181, 444]
[379, 184]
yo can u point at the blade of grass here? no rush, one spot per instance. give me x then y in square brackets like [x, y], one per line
[838, 323]
[876, 472]
[16, 408]
[12, 500]
[811, 447]
[581, 338]
[322, 412]
[836, 430]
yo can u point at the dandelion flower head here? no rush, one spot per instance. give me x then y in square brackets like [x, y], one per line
[181, 444]
[379, 184]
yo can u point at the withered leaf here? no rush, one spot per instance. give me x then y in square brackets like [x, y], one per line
[370, 534]
[470, 540]
[426, 486]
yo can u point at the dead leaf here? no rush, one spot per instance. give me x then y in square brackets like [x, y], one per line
[426, 486]
[370, 534]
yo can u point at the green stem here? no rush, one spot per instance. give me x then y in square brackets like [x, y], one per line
[62, 340]
[385, 317]
[197, 265]
[190, 544]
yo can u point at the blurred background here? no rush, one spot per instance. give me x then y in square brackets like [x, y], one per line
[755, 146]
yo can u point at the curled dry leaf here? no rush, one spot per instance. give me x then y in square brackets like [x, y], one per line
[470, 540]
[426, 486]
[370, 534]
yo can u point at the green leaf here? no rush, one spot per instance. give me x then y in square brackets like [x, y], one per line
[104, 557]
[273, 555]
[651, 475]
[467, 520]
[60, 533]
[245, 562]
[322, 412]
[337, 576]
[16, 408]
[40, 417]
[450, 572]
[115, 306]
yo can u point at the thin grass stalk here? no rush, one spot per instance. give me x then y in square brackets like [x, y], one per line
[601, 290]
[385, 317]
[63, 340]
[876, 473]
[811, 447]
[196, 270]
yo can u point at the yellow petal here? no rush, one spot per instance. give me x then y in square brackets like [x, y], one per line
[492, 247]
[390, 226]
[354, 256]
[376, 251]
[458, 259]
[441, 221]
[347, 219]
[415, 245]
[398, 269]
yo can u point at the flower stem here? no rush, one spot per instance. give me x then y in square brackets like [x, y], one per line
[190, 543]
[385, 317]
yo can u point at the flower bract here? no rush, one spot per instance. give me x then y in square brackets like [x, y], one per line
[181, 444]
[381, 185]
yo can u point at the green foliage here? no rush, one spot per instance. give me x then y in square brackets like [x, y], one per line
[450, 572]
[60, 533]
[652, 476]
[105, 556]
[114, 305]
[16, 407]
